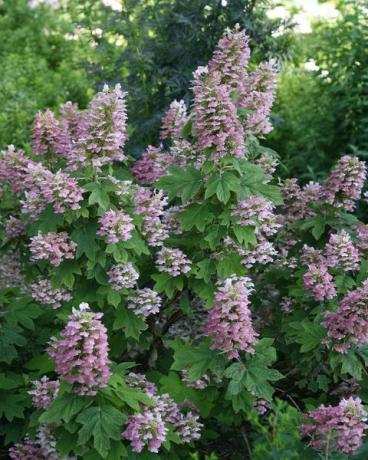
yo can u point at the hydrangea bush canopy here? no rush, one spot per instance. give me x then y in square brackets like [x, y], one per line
[185, 303]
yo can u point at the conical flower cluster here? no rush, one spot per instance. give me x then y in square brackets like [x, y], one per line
[336, 428]
[173, 121]
[103, 134]
[51, 246]
[44, 392]
[230, 323]
[149, 427]
[81, 353]
[348, 326]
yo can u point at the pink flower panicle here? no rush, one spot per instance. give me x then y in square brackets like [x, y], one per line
[28, 450]
[150, 202]
[44, 392]
[345, 183]
[188, 427]
[43, 292]
[71, 129]
[39, 192]
[81, 353]
[262, 406]
[348, 326]
[145, 430]
[140, 382]
[262, 253]
[150, 205]
[148, 428]
[41, 448]
[197, 384]
[15, 227]
[230, 323]
[287, 305]
[298, 200]
[257, 97]
[116, 226]
[14, 167]
[268, 163]
[173, 121]
[45, 187]
[341, 252]
[258, 212]
[122, 276]
[319, 282]
[362, 237]
[63, 192]
[173, 261]
[144, 302]
[312, 255]
[104, 131]
[48, 443]
[152, 165]
[46, 133]
[230, 58]
[216, 123]
[155, 231]
[54, 247]
[336, 428]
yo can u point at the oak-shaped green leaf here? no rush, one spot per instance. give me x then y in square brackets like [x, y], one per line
[168, 284]
[130, 322]
[255, 373]
[64, 407]
[196, 360]
[104, 423]
[196, 215]
[13, 405]
[181, 182]
[222, 185]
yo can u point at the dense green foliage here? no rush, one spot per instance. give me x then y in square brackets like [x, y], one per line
[321, 114]
[282, 258]
[39, 67]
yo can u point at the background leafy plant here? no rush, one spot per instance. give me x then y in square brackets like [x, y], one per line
[321, 114]
[40, 67]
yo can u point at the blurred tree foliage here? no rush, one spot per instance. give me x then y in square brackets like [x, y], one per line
[153, 46]
[39, 67]
[323, 113]
[150, 46]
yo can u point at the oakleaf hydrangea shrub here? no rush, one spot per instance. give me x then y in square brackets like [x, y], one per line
[189, 304]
